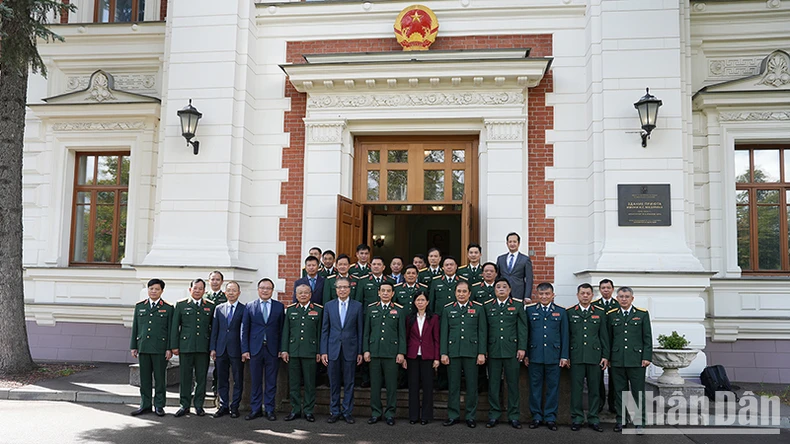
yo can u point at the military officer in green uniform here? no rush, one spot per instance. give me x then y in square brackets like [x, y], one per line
[483, 291]
[327, 264]
[367, 290]
[462, 346]
[384, 348]
[150, 345]
[607, 302]
[406, 291]
[362, 266]
[589, 342]
[300, 340]
[341, 266]
[433, 269]
[507, 346]
[215, 294]
[472, 271]
[630, 354]
[442, 290]
[190, 337]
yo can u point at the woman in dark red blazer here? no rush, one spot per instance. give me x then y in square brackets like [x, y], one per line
[422, 357]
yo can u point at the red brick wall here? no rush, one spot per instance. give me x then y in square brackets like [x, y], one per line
[64, 15]
[163, 10]
[540, 116]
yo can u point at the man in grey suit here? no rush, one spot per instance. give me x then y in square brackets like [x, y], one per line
[341, 348]
[517, 269]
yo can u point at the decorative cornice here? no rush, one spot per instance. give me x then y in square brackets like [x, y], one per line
[754, 116]
[407, 100]
[127, 82]
[325, 132]
[505, 130]
[734, 68]
[99, 126]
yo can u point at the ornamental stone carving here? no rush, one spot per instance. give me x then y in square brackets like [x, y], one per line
[505, 130]
[126, 82]
[754, 116]
[775, 69]
[415, 100]
[98, 126]
[734, 68]
[100, 87]
[325, 132]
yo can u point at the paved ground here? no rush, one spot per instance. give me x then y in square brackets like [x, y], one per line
[64, 422]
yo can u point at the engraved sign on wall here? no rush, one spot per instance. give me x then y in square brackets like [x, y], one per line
[643, 205]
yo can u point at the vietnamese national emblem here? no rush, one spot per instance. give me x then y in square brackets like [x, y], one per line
[416, 28]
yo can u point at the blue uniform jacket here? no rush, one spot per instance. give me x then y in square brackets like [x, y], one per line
[548, 334]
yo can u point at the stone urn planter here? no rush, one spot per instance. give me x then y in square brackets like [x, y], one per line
[672, 360]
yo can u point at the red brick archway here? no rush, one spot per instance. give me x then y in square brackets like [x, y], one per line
[540, 118]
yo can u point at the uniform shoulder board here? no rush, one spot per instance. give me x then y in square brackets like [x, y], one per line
[596, 300]
[449, 303]
[595, 307]
[560, 306]
[532, 304]
[363, 276]
[476, 284]
[397, 305]
[292, 305]
[209, 301]
[355, 264]
[423, 269]
[641, 309]
[464, 266]
[372, 304]
[424, 285]
[488, 301]
[520, 301]
[438, 277]
[186, 299]
[463, 277]
[319, 306]
[165, 302]
[144, 301]
[478, 303]
[331, 276]
[303, 268]
[398, 284]
[612, 310]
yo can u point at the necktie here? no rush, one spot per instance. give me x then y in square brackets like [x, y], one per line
[342, 314]
[449, 280]
[153, 304]
[378, 280]
[546, 310]
[510, 263]
[266, 312]
[625, 313]
[312, 284]
[230, 315]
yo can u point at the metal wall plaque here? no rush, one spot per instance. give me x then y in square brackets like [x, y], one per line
[643, 205]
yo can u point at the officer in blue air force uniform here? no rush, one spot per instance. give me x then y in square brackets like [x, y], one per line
[547, 324]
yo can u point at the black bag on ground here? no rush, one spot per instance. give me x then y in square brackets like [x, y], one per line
[715, 379]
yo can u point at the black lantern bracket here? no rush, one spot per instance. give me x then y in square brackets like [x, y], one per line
[647, 106]
[190, 116]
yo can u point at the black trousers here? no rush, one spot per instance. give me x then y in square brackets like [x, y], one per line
[420, 373]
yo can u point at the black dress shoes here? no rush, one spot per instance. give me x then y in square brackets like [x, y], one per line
[365, 384]
[552, 426]
[596, 427]
[534, 424]
[159, 411]
[390, 421]
[200, 412]
[413, 421]
[234, 414]
[220, 413]
[618, 428]
[576, 427]
[516, 424]
[451, 422]
[424, 422]
[271, 416]
[491, 423]
[309, 417]
[471, 423]
[332, 419]
[181, 412]
[349, 419]
[291, 416]
[141, 411]
[373, 419]
[253, 415]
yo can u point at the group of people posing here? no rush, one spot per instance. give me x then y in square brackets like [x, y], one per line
[440, 324]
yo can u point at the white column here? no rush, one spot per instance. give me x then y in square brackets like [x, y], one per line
[328, 171]
[505, 202]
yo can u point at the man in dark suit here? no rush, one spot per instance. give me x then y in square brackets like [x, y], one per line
[341, 348]
[261, 328]
[313, 279]
[226, 350]
[517, 269]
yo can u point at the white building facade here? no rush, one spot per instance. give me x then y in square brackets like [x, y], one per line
[532, 99]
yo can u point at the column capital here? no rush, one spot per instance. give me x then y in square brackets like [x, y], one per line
[505, 130]
[325, 131]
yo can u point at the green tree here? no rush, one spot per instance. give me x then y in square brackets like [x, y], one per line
[22, 24]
